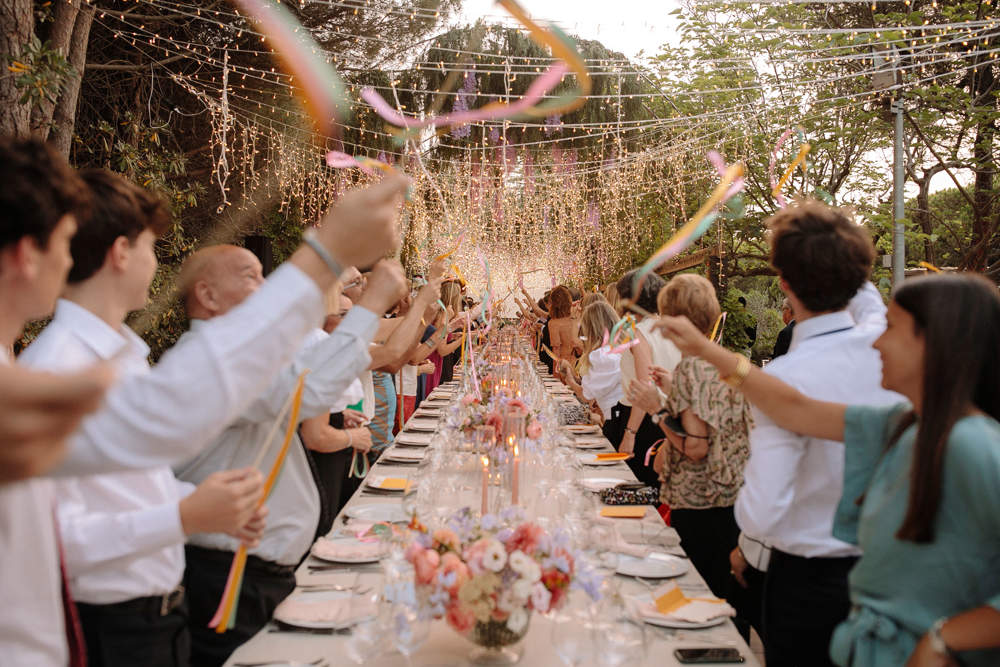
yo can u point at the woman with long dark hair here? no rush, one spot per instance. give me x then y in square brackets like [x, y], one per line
[921, 479]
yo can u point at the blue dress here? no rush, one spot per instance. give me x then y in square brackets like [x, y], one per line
[899, 588]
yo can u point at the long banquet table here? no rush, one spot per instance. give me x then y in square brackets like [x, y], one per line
[444, 646]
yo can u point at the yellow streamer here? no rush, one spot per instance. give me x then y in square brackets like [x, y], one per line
[799, 159]
[928, 265]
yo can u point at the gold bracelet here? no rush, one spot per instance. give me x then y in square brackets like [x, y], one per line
[738, 376]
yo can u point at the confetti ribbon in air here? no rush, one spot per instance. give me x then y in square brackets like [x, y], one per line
[454, 248]
[530, 105]
[720, 324]
[322, 91]
[930, 267]
[338, 160]
[225, 616]
[623, 335]
[777, 186]
[696, 226]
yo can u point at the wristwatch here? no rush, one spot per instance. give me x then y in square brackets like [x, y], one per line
[938, 644]
[658, 417]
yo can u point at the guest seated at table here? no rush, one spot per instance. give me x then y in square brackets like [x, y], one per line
[214, 280]
[700, 463]
[921, 479]
[600, 368]
[123, 533]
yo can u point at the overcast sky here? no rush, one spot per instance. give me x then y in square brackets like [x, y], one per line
[627, 26]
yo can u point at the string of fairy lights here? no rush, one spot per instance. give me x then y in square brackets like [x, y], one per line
[577, 202]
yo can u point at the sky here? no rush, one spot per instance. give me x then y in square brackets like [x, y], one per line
[644, 26]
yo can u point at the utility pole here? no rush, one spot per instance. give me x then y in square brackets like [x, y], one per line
[898, 234]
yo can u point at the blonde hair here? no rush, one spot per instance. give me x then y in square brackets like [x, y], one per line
[614, 300]
[597, 319]
[694, 297]
[451, 295]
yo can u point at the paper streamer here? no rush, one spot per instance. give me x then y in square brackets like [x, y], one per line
[323, 92]
[225, 616]
[338, 160]
[777, 185]
[531, 105]
[719, 326]
[929, 266]
[695, 227]
[454, 248]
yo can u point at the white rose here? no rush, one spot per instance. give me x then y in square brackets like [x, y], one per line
[540, 598]
[533, 571]
[517, 621]
[495, 556]
[506, 602]
[520, 562]
[522, 589]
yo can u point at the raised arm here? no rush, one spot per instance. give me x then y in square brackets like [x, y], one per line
[788, 407]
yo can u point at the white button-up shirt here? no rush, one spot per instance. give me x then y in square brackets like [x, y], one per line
[121, 532]
[149, 420]
[793, 483]
[334, 363]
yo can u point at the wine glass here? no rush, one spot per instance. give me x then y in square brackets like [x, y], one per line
[621, 641]
[367, 638]
[572, 637]
[410, 629]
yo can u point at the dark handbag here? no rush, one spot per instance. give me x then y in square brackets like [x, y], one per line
[630, 494]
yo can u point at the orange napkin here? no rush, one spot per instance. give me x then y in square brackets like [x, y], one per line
[624, 511]
[394, 483]
[674, 599]
[612, 456]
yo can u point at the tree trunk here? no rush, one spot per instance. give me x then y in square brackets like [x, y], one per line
[16, 23]
[985, 169]
[64, 18]
[922, 215]
[64, 117]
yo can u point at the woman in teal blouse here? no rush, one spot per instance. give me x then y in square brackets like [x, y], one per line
[921, 479]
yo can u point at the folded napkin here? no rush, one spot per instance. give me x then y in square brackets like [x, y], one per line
[616, 543]
[414, 438]
[390, 483]
[612, 456]
[398, 454]
[314, 609]
[422, 425]
[353, 550]
[624, 511]
[669, 602]
[657, 535]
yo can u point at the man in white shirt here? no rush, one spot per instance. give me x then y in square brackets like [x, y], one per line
[213, 281]
[151, 419]
[123, 533]
[793, 484]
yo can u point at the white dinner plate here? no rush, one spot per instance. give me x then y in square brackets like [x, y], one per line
[583, 428]
[341, 559]
[592, 460]
[598, 484]
[665, 622]
[591, 443]
[387, 512]
[318, 597]
[654, 566]
[410, 440]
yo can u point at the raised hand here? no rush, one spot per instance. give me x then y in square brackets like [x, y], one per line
[225, 502]
[386, 286]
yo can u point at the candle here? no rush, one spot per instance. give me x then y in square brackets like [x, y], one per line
[513, 492]
[486, 484]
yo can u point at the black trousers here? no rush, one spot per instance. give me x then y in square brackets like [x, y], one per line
[708, 535]
[804, 600]
[748, 602]
[264, 586]
[646, 435]
[134, 633]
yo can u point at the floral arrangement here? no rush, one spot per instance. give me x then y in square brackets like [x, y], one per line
[498, 568]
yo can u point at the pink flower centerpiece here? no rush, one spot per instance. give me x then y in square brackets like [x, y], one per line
[485, 577]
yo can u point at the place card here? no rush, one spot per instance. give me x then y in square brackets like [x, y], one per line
[624, 511]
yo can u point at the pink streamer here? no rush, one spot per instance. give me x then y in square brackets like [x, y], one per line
[774, 159]
[538, 88]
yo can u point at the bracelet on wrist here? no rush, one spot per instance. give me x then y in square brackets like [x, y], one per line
[938, 644]
[350, 438]
[739, 375]
[309, 238]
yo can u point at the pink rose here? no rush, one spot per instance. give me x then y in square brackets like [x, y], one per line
[534, 430]
[426, 566]
[473, 556]
[516, 406]
[412, 552]
[499, 615]
[451, 563]
[526, 538]
[469, 399]
[460, 618]
[496, 421]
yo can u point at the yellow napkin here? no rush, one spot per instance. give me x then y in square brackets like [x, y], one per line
[395, 483]
[612, 456]
[625, 511]
[674, 599]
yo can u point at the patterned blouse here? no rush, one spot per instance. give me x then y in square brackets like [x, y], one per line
[715, 480]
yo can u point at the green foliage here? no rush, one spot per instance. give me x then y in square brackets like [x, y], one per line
[39, 72]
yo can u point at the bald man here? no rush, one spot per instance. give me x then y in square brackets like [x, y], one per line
[213, 281]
